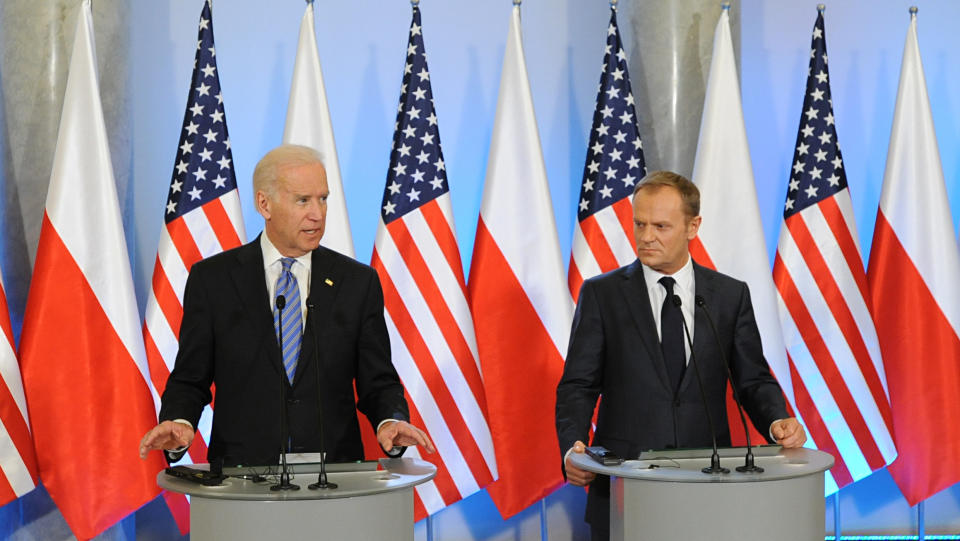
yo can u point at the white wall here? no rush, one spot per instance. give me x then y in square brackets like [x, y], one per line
[362, 49]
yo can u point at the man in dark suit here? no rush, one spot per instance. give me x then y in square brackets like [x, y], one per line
[229, 337]
[628, 346]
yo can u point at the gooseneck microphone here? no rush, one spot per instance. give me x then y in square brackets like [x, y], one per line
[715, 466]
[284, 483]
[322, 482]
[748, 465]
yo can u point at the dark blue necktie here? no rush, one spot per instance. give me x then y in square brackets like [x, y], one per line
[671, 335]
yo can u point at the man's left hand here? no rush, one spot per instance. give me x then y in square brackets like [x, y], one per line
[788, 432]
[402, 434]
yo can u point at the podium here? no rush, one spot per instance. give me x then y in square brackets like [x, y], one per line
[368, 503]
[664, 496]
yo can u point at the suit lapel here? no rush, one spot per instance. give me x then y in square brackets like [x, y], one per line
[702, 334]
[325, 282]
[639, 302]
[250, 282]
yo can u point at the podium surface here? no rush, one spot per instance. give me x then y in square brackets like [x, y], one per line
[665, 496]
[367, 503]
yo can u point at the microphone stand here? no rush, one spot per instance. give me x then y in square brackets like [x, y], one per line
[748, 465]
[284, 483]
[322, 482]
[715, 466]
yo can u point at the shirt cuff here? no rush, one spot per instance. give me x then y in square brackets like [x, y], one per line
[184, 448]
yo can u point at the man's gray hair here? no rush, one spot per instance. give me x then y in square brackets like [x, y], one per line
[267, 172]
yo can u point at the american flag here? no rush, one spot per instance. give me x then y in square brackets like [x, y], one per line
[201, 218]
[603, 235]
[832, 346]
[18, 462]
[431, 329]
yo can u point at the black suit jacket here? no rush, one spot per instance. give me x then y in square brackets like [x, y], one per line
[615, 352]
[227, 339]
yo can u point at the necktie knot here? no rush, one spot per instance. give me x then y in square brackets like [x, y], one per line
[287, 263]
[668, 282]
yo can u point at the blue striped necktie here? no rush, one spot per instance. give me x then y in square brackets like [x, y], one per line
[292, 332]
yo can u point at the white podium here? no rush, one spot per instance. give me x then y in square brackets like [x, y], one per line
[367, 504]
[664, 496]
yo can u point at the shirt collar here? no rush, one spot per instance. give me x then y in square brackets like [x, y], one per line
[271, 255]
[683, 277]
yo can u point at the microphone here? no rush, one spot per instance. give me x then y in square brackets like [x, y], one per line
[322, 482]
[748, 465]
[715, 466]
[284, 483]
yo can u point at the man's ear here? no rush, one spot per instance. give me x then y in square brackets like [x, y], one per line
[262, 203]
[693, 226]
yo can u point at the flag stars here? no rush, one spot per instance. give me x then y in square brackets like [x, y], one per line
[412, 49]
[834, 180]
[413, 113]
[182, 167]
[629, 180]
[414, 195]
[197, 109]
[829, 118]
[206, 155]
[186, 147]
[220, 181]
[437, 183]
[817, 95]
[633, 162]
[606, 192]
[420, 93]
[216, 116]
[176, 186]
[584, 205]
[612, 93]
[224, 162]
[602, 130]
[811, 191]
[817, 33]
[822, 76]
[594, 167]
[389, 208]
[203, 89]
[423, 157]
[821, 155]
[439, 165]
[410, 131]
[208, 70]
[427, 139]
[597, 148]
[617, 74]
[404, 150]
[195, 193]
[588, 185]
[399, 169]
[825, 138]
[432, 119]
[837, 163]
[807, 131]
[794, 185]
[788, 205]
[816, 173]
[798, 167]
[414, 29]
[802, 149]
[417, 176]
[626, 117]
[424, 75]
[191, 128]
[610, 173]
[210, 136]
[607, 111]
[615, 155]
[811, 113]
[200, 174]
[620, 137]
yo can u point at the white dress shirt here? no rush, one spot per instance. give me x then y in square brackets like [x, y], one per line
[272, 268]
[685, 288]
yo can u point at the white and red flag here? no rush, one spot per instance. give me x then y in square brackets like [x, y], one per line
[84, 367]
[425, 302]
[308, 124]
[201, 218]
[18, 462]
[521, 306]
[914, 280]
[603, 234]
[731, 238]
[832, 347]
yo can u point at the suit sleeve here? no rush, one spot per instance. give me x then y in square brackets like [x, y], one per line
[379, 391]
[188, 387]
[761, 394]
[582, 378]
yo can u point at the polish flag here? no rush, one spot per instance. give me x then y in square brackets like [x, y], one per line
[914, 278]
[308, 124]
[731, 238]
[82, 354]
[521, 307]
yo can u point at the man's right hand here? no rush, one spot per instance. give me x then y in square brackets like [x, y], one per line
[167, 435]
[576, 476]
